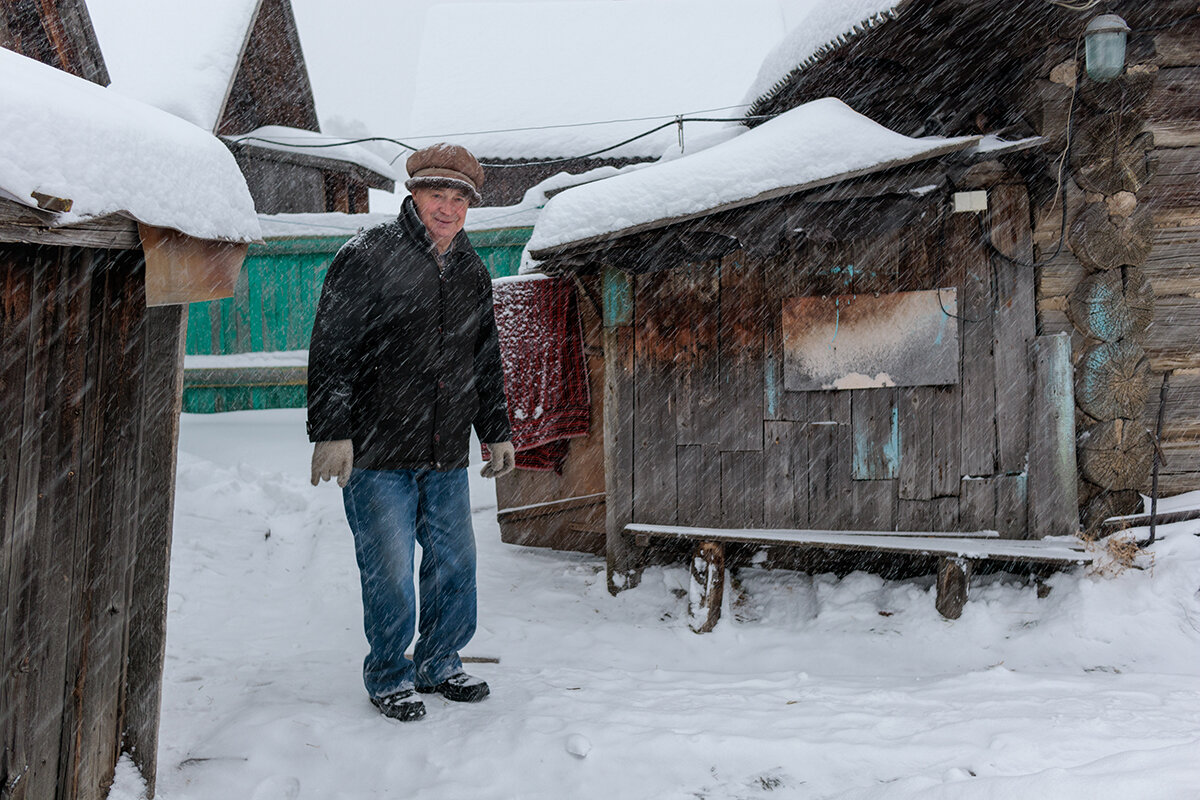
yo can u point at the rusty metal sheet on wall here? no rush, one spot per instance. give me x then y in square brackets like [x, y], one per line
[866, 341]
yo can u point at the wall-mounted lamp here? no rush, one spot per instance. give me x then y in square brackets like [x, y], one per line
[1104, 39]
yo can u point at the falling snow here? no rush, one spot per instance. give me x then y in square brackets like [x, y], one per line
[810, 686]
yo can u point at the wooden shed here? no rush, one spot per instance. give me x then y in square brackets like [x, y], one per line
[1112, 196]
[901, 346]
[97, 263]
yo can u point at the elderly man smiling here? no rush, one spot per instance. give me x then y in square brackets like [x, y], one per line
[404, 361]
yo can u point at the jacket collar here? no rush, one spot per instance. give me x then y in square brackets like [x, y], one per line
[416, 229]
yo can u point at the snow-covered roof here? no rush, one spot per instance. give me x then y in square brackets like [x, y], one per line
[825, 26]
[552, 69]
[818, 143]
[178, 55]
[69, 138]
[296, 140]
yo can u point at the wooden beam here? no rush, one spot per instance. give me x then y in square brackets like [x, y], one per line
[1053, 473]
[24, 224]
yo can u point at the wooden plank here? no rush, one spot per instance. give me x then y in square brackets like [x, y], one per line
[21, 224]
[699, 489]
[15, 333]
[654, 419]
[829, 445]
[742, 488]
[163, 375]
[802, 536]
[1176, 184]
[1181, 419]
[977, 503]
[1170, 341]
[1178, 45]
[1039, 551]
[1014, 322]
[945, 447]
[876, 431]
[108, 556]
[1174, 261]
[779, 503]
[740, 342]
[22, 555]
[1012, 505]
[873, 504]
[623, 567]
[617, 294]
[1053, 473]
[970, 265]
[698, 385]
[915, 471]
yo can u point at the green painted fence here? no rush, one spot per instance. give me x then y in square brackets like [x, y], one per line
[273, 308]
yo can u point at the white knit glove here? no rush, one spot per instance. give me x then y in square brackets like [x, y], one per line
[503, 461]
[332, 460]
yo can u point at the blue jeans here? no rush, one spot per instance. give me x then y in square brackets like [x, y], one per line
[389, 510]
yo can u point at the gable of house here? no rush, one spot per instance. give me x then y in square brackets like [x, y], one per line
[59, 34]
[228, 66]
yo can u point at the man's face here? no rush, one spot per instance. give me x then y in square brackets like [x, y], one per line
[443, 210]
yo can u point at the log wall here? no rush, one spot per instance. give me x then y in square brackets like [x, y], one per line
[1171, 198]
[89, 392]
[703, 431]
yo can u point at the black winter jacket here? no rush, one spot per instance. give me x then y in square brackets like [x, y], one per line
[404, 356]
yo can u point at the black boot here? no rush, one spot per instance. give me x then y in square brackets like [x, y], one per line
[461, 688]
[403, 705]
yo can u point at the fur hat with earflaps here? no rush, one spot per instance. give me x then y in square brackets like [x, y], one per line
[445, 165]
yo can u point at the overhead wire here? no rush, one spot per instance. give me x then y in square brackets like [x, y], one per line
[673, 121]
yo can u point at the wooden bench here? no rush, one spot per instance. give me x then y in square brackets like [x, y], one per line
[956, 553]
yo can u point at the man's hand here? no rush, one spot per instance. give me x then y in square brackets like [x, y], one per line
[333, 460]
[503, 461]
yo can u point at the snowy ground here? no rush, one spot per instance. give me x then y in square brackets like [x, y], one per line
[815, 688]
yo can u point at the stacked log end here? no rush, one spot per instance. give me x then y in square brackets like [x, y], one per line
[1111, 306]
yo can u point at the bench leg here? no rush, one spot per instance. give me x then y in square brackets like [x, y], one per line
[952, 577]
[707, 586]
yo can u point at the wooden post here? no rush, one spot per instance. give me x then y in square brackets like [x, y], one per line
[1053, 507]
[707, 586]
[148, 612]
[952, 578]
[623, 562]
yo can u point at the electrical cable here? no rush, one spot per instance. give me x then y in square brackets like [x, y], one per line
[1060, 192]
[674, 121]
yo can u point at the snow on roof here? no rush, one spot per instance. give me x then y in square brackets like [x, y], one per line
[825, 26]
[295, 140]
[178, 55]
[69, 138]
[559, 66]
[815, 144]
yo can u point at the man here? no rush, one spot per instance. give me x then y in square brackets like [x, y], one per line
[404, 361]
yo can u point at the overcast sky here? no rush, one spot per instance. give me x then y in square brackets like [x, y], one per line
[362, 58]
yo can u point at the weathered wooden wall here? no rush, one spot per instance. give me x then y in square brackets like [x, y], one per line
[89, 394]
[1172, 195]
[704, 432]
